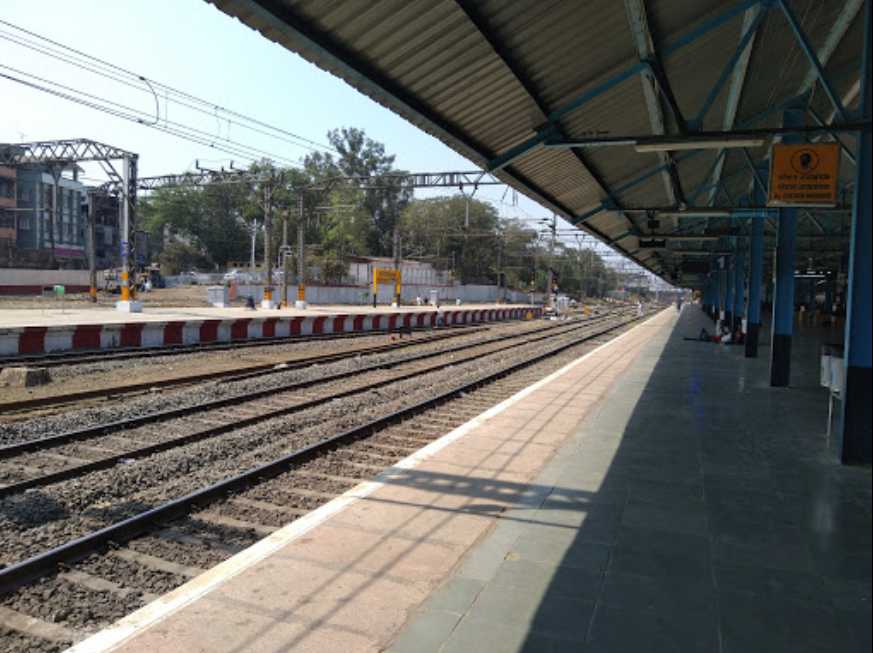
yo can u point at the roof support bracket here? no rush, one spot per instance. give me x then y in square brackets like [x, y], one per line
[739, 55]
[805, 45]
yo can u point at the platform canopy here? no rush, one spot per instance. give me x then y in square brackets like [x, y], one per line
[642, 122]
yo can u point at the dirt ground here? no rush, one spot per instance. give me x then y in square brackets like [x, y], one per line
[159, 297]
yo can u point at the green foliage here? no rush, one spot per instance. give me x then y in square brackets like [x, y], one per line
[178, 257]
[208, 220]
[209, 226]
[377, 210]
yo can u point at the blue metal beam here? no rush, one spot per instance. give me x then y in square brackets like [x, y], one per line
[819, 121]
[856, 410]
[834, 38]
[756, 277]
[739, 285]
[645, 45]
[542, 134]
[729, 68]
[783, 300]
[804, 44]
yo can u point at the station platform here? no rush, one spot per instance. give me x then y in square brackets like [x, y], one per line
[34, 331]
[654, 495]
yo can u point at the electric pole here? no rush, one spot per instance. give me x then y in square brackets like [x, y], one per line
[253, 230]
[553, 227]
[92, 245]
[397, 263]
[301, 265]
[268, 256]
[286, 252]
[500, 268]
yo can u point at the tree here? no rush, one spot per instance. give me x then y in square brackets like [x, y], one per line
[358, 155]
[207, 219]
[177, 257]
[438, 229]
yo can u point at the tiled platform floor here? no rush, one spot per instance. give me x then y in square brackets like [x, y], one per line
[697, 510]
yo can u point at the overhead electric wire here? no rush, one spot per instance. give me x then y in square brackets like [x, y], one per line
[229, 149]
[99, 66]
[136, 113]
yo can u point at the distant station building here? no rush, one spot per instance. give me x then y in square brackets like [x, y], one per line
[8, 205]
[107, 241]
[31, 236]
[66, 245]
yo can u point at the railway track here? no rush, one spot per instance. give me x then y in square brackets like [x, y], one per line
[213, 418]
[248, 371]
[173, 540]
[81, 357]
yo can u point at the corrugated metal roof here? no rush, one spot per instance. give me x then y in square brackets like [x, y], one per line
[482, 76]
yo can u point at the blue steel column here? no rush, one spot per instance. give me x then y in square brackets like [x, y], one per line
[829, 294]
[739, 288]
[705, 296]
[857, 413]
[783, 292]
[719, 306]
[712, 294]
[729, 293]
[756, 273]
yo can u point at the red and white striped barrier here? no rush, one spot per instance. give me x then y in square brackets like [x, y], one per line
[43, 339]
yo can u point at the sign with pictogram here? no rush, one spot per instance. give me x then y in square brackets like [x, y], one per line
[804, 175]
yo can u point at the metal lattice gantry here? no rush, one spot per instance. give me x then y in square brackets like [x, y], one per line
[62, 154]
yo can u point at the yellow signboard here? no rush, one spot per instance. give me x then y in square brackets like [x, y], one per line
[384, 276]
[381, 275]
[804, 175]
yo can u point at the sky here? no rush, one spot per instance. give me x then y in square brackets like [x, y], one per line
[192, 46]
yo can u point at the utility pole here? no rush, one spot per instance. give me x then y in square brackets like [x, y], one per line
[253, 230]
[396, 263]
[550, 303]
[301, 264]
[286, 252]
[92, 246]
[500, 269]
[126, 304]
[268, 257]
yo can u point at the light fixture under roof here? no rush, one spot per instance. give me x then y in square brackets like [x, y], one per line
[692, 143]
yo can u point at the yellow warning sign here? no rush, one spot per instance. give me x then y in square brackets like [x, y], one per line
[804, 175]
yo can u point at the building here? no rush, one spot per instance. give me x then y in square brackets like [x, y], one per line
[36, 243]
[7, 212]
[107, 242]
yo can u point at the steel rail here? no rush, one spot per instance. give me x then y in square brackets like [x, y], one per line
[232, 375]
[207, 433]
[83, 356]
[17, 574]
